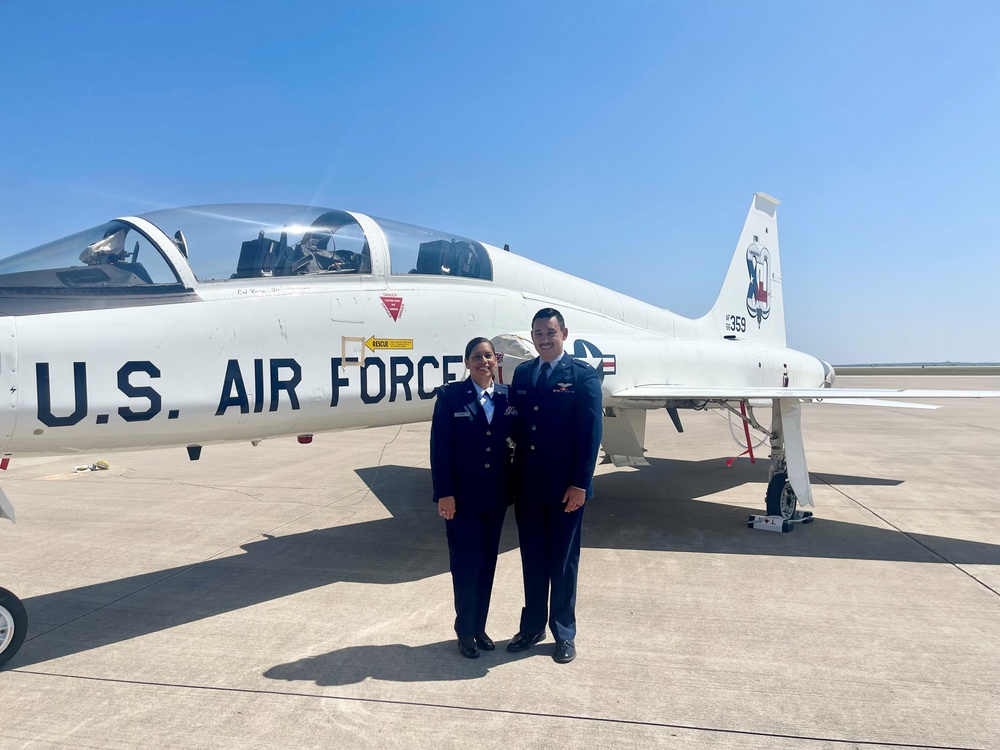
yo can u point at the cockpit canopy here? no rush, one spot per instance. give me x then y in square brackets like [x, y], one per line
[158, 251]
[228, 242]
[114, 257]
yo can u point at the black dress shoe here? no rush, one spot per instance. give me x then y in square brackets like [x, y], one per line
[565, 652]
[467, 647]
[522, 642]
[484, 642]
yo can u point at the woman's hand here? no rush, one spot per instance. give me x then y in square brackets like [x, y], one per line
[446, 507]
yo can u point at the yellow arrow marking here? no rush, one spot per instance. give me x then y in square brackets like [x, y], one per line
[374, 343]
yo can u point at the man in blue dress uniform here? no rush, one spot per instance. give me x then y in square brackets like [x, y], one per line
[558, 400]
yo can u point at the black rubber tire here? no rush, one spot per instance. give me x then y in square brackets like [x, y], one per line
[13, 625]
[780, 499]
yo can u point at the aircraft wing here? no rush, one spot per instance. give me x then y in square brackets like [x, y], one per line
[643, 394]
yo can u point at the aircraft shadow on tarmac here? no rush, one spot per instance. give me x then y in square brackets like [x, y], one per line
[655, 509]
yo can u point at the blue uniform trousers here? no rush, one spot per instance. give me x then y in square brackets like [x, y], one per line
[550, 550]
[473, 544]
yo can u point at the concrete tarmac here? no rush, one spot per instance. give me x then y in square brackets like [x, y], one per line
[299, 596]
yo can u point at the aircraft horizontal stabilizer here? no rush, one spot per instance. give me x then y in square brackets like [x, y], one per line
[853, 396]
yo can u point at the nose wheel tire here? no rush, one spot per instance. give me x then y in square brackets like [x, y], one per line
[13, 625]
[780, 499]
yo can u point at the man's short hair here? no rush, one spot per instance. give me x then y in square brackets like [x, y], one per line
[549, 312]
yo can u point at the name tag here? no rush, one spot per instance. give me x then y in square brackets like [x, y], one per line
[463, 414]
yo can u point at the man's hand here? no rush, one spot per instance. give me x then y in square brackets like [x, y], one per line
[446, 507]
[574, 498]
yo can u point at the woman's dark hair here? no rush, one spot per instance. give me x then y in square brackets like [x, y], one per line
[476, 342]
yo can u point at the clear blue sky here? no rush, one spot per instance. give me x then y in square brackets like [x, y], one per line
[618, 141]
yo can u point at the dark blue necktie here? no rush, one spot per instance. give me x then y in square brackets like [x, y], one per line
[543, 375]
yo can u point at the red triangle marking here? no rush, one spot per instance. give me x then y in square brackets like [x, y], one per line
[393, 306]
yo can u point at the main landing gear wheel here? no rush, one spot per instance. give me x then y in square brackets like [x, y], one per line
[780, 498]
[13, 625]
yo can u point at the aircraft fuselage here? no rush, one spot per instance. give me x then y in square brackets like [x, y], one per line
[260, 359]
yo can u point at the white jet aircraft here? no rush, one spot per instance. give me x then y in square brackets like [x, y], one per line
[211, 324]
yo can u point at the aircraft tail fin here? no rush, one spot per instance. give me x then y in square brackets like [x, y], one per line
[750, 306]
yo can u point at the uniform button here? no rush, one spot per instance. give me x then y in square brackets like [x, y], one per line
[534, 427]
[488, 449]
[488, 433]
[487, 466]
[532, 447]
[536, 408]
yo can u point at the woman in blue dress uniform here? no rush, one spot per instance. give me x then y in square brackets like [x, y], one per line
[471, 471]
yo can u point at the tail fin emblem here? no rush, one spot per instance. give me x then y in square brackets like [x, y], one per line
[759, 291]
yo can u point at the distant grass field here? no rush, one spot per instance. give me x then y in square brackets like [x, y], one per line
[918, 370]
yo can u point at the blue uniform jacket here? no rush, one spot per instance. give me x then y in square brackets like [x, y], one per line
[470, 458]
[558, 431]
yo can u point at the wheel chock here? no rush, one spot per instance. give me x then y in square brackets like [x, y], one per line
[778, 523]
[770, 523]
